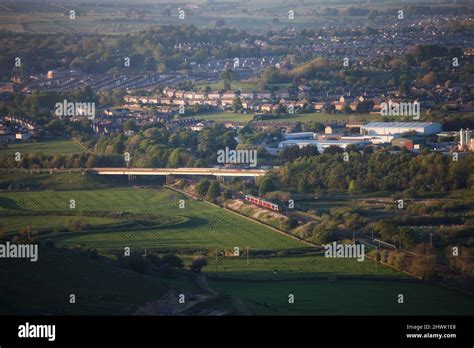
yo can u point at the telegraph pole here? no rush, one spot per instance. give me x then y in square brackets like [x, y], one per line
[216, 260]
[377, 261]
[400, 238]
[247, 256]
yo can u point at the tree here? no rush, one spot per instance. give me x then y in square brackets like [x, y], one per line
[289, 223]
[387, 229]
[352, 187]
[267, 185]
[198, 263]
[227, 77]
[227, 194]
[237, 104]
[214, 190]
[173, 261]
[202, 187]
[408, 237]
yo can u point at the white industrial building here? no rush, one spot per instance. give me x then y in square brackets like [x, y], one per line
[385, 132]
[300, 136]
[321, 144]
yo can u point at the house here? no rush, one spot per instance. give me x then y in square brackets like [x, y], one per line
[195, 101]
[266, 107]
[166, 101]
[247, 95]
[189, 95]
[211, 102]
[198, 127]
[179, 101]
[213, 95]
[225, 102]
[179, 94]
[22, 136]
[6, 135]
[280, 95]
[131, 99]
[228, 95]
[169, 92]
[319, 106]
[263, 95]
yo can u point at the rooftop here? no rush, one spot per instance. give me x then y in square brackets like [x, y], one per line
[398, 124]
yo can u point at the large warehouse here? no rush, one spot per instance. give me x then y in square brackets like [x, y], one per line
[390, 128]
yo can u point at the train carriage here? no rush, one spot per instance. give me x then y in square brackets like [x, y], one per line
[262, 203]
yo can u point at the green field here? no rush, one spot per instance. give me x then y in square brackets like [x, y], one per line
[225, 117]
[43, 287]
[277, 266]
[315, 116]
[13, 224]
[247, 15]
[47, 147]
[324, 118]
[304, 265]
[204, 226]
[347, 297]
[64, 180]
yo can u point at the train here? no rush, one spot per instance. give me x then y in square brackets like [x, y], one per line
[262, 203]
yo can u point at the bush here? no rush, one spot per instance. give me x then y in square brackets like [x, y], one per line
[173, 261]
[198, 263]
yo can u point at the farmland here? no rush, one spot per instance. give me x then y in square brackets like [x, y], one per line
[287, 266]
[276, 266]
[202, 227]
[48, 147]
[347, 297]
[53, 18]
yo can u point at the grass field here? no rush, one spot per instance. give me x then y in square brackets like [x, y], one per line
[49, 147]
[277, 266]
[205, 226]
[315, 116]
[225, 117]
[324, 118]
[305, 265]
[347, 297]
[13, 224]
[56, 181]
[43, 287]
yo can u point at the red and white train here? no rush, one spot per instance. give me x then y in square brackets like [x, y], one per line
[262, 203]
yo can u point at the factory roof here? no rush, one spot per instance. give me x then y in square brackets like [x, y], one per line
[398, 124]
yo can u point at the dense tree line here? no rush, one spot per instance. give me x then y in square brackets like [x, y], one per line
[379, 171]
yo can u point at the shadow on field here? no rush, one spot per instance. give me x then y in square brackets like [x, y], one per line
[9, 203]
